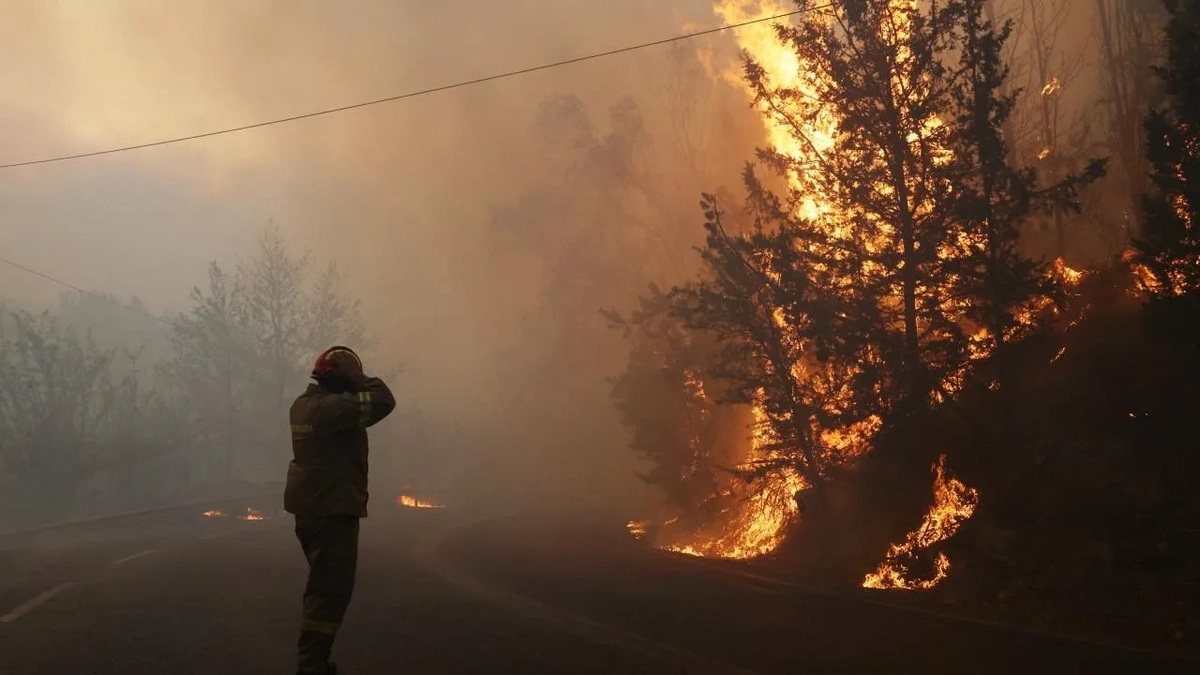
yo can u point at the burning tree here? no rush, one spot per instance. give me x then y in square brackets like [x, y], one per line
[900, 185]
[891, 260]
[886, 263]
[1169, 249]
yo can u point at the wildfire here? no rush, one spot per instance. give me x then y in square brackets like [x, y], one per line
[214, 514]
[251, 514]
[414, 503]
[1069, 275]
[1052, 87]
[953, 504]
[753, 519]
[756, 518]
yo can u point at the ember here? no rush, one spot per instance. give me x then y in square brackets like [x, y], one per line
[251, 514]
[953, 504]
[637, 528]
[214, 514]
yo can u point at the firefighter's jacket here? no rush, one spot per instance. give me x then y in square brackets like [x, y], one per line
[328, 472]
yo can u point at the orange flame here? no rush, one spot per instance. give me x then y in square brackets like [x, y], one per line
[414, 503]
[214, 514]
[953, 504]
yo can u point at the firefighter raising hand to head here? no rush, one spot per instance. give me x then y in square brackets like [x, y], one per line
[327, 491]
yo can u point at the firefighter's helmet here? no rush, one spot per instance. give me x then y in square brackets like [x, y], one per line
[327, 362]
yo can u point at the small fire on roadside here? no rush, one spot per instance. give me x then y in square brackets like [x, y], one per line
[414, 503]
[251, 514]
[214, 514]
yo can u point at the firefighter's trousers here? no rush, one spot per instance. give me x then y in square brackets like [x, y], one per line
[331, 546]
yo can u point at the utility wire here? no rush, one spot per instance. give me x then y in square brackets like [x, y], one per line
[77, 289]
[422, 92]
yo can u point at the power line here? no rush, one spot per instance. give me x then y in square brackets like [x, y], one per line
[421, 92]
[77, 289]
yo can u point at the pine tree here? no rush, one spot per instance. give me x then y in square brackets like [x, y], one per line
[1169, 249]
[996, 286]
[672, 413]
[873, 170]
[891, 263]
[789, 347]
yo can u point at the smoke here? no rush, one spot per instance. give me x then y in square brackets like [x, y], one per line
[403, 196]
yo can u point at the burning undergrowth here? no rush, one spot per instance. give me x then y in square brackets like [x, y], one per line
[953, 504]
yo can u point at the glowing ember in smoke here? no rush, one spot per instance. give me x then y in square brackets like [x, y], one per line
[251, 514]
[1045, 152]
[414, 503]
[214, 514]
[1052, 87]
[953, 504]
[637, 528]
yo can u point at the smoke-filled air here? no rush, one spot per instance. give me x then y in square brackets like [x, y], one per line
[892, 298]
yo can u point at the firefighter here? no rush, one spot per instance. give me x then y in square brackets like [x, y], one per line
[327, 491]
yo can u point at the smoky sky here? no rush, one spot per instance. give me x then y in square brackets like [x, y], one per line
[396, 194]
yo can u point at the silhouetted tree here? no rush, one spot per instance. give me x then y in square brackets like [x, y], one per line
[213, 367]
[998, 288]
[333, 316]
[271, 284]
[892, 262]
[1129, 41]
[788, 342]
[1169, 248]
[675, 418]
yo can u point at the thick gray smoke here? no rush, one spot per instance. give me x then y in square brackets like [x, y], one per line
[483, 228]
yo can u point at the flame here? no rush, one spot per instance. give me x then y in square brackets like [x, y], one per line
[251, 514]
[1052, 87]
[414, 503]
[756, 519]
[1068, 275]
[214, 514]
[953, 504]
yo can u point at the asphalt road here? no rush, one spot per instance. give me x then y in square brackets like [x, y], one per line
[177, 593]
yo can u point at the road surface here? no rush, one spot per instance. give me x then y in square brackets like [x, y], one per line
[178, 593]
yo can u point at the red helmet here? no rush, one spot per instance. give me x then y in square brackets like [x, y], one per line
[325, 362]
